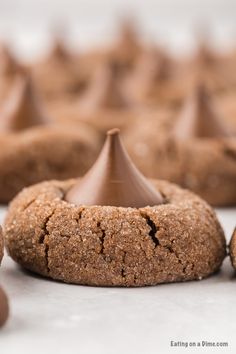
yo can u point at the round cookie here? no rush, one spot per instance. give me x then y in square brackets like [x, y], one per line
[116, 230]
[197, 151]
[4, 307]
[36, 149]
[44, 153]
[1, 245]
[232, 249]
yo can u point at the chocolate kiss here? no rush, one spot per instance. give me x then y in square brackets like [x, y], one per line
[59, 52]
[128, 35]
[22, 109]
[106, 91]
[4, 308]
[205, 56]
[199, 119]
[154, 66]
[114, 180]
[8, 64]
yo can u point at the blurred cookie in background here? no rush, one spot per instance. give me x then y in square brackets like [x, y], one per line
[196, 150]
[35, 148]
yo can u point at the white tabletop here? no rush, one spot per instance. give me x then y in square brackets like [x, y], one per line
[50, 317]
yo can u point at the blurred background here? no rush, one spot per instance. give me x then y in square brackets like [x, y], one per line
[110, 63]
[26, 24]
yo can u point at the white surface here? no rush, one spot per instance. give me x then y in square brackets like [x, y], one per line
[50, 317]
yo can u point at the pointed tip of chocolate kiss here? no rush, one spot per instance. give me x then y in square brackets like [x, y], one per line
[128, 27]
[59, 50]
[8, 63]
[199, 118]
[128, 39]
[114, 131]
[22, 108]
[106, 90]
[114, 180]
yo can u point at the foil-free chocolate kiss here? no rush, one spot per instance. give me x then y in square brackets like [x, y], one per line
[22, 109]
[114, 180]
[199, 118]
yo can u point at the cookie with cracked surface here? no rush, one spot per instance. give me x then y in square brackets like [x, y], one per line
[113, 227]
[114, 246]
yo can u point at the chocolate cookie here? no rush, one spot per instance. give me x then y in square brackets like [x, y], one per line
[232, 249]
[1, 245]
[4, 308]
[198, 152]
[44, 153]
[114, 228]
[36, 149]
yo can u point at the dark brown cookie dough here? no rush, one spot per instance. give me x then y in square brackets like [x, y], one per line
[112, 246]
[1, 245]
[195, 150]
[4, 308]
[43, 153]
[207, 167]
[232, 249]
[101, 120]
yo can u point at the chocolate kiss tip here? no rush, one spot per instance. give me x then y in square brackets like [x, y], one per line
[114, 131]
[22, 109]
[199, 118]
[106, 92]
[114, 180]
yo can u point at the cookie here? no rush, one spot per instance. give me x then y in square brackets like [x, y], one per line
[35, 149]
[4, 307]
[1, 245]
[232, 249]
[116, 230]
[197, 152]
